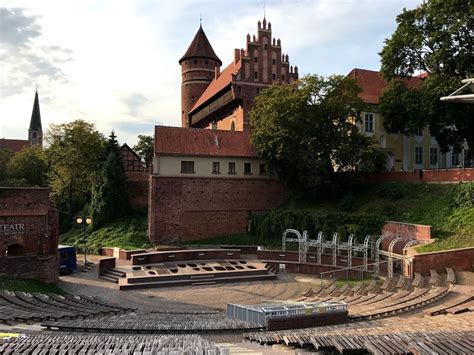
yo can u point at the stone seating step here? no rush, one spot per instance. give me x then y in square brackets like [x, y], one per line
[108, 278]
[203, 283]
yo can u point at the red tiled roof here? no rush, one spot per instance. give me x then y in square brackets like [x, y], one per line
[200, 48]
[195, 141]
[372, 84]
[15, 145]
[224, 79]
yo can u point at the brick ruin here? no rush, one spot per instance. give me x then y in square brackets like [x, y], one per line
[29, 230]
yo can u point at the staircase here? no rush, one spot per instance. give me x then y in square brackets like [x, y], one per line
[112, 275]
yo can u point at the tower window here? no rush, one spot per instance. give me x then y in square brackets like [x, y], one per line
[258, 90]
[274, 76]
[274, 61]
[240, 88]
[232, 126]
[283, 77]
[255, 59]
[34, 134]
[256, 75]
[265, 46]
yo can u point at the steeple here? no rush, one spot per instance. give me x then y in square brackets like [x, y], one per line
[35, 132]
[200, 47]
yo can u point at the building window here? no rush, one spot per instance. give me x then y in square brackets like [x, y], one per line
[283, 77]
[187, 167]
[240, 88]
[258, 90]
[454, 158]
[247, 168]
[214, 126]
[274, 76]
[265, 46]
[418, 155]
[255, 59]
[232, 168]
[262, 169]
[433, 156]
[216, 167]
[467, 158]
[369, 122]
[34, 135]
[256, 75]
[274, 61]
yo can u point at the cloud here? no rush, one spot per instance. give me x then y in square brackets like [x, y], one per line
[24, 60]
[134, 103]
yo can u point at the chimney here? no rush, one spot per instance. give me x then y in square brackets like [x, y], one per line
[217, 71]
[236, 55]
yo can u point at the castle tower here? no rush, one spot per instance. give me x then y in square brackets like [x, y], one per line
[35, 132]
[198, 67]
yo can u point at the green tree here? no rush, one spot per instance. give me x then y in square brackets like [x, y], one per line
[29, 164]
[5, 156]
[75, 154]
[435, 38]
[307, 129]
[144, 148]
[110, 198]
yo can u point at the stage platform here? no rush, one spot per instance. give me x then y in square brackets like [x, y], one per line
[192, 273]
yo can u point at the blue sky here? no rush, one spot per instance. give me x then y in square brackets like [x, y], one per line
[115, 63]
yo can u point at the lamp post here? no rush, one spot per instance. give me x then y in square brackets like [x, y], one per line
[84, 221]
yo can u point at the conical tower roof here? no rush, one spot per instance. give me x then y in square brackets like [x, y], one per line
[35, 123]
[200, 48]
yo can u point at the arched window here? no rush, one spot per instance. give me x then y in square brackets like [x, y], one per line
[15, 250]
[232, 126]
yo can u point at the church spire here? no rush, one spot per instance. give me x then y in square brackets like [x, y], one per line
[35, 132]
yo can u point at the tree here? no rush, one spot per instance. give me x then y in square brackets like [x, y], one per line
[436, 38]
[75, 154]
[5, 156]
[144, 148]
[29, 164]
[306, 130]
[110, 198]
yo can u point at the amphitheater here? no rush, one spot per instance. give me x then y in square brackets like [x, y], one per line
[387, 315]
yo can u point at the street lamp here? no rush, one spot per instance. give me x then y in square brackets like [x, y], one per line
[84, 221]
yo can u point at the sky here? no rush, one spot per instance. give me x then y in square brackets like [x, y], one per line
[115, 62]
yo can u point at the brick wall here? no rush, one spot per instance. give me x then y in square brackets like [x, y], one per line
[458, 259]
[137, 185]
[28, 234]
[182, 208]
[403, 230]
[428, 176]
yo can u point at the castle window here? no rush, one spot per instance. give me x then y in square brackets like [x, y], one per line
[187, 167]
[369, 122]
[239, 88]
[34, 134]
[256, 75]
[274, 61]
[216, 167]
[274, 76]
[265, 46]
[232, 126]
[418, 155]
[255, 59]
[262, 169]
[283, 77]
[232, 168]
[433, 156]
[248, 168]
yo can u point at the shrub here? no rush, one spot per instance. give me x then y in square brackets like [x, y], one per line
[464, 195]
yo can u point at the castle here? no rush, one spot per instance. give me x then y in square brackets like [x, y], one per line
[223, 99]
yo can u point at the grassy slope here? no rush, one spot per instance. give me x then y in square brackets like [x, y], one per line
[127, 233]
[28, 286]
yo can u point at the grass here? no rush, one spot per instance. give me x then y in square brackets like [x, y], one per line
[126, 233]
[27, 285]
[430, 204]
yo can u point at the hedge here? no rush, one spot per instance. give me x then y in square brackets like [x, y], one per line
[270, 226]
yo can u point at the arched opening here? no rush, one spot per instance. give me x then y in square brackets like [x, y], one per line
[15, 250]
[232, 126]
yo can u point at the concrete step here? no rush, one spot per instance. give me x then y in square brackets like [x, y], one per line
[115, 272]
[108, 278]
[203, 283]
[201, 277]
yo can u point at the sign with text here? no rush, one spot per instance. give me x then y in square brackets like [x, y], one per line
[12, 229]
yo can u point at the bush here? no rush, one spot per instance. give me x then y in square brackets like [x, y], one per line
[271, 226]
[464, 195]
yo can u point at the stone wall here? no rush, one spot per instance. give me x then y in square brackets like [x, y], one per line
[428, 176]
[28, 234]
[137, 184]
[182, 208]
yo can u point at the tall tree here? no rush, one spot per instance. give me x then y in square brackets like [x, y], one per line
[144, 148]
[304, 131]
[74, 155]
[5, 156]
[436, 38]
[110, 198]
[30, 164]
